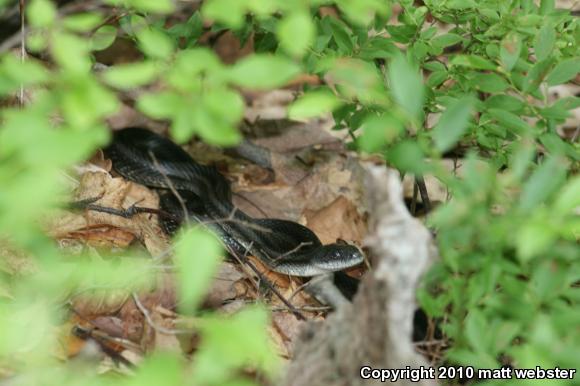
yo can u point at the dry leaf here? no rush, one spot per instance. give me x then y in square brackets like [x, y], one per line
[339, 220]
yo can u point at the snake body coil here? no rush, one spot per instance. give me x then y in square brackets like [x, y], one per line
[287, 247]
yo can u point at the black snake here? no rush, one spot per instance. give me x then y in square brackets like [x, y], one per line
[287, 247]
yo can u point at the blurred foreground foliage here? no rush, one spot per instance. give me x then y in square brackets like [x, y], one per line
[506, 289]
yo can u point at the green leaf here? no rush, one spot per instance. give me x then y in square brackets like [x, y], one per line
[378, 47]
[197, 257]
[557, 146]
[533, 238]
[71, 52]
[505, 102]
[504, 335]
[85, 102]
[264, 8]
[161, 105]
[341, 35]
[133, 23]
[261, 71]
[545, 42]
[79, 143]
[229, 12]
[536, 75]
[490, 83]
[446, 40]
[510, 121]
[436, 78]
[191, 66]
[569, 196]
[378, 131]
[296, 32]
[542, 183]
[475, 330]
[157, 6]
[363, 12]
[191, 30]
[41, 13]
[83, 22]
[36, 41]
[407, 156]
[547, 6]
[564, 71]
[237, 342]
[185, 120]
[406, 85]
[103, 37]
[568, 103]
[472, 61]
[434, 66]
[155, 43]
[555, 112]
[313, 104]
[357, 79]
[131, 75]
[219, 113]
[158, 368]
[15, 73]
[509, 51]
[453, 123]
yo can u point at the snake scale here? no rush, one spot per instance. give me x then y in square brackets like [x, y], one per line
[144, 157]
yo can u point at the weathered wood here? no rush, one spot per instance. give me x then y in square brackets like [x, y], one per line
[375, 330]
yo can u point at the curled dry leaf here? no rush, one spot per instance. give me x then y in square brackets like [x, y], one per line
[330, 176]
[99, 302]
[107, 230]
[338, 220]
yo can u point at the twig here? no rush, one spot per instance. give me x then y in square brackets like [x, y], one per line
[420, 182]
[103, 341]
[134, 210]
[298, 290]
[243, 265]
[252, 203]
[295, 249]
[267, 282]
[436, 342]
[171, 186]
[97, 334]
[150, 321]
[271, 287]
[304, 308]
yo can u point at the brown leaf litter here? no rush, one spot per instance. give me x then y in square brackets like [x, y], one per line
[314, 181]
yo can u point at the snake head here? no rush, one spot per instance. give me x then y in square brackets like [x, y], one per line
[340, 256]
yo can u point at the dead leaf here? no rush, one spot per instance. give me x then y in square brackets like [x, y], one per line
[103, 236]
[108, 230]
[226, 286]
[228, 47]
[339, 220]
[99, 302]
